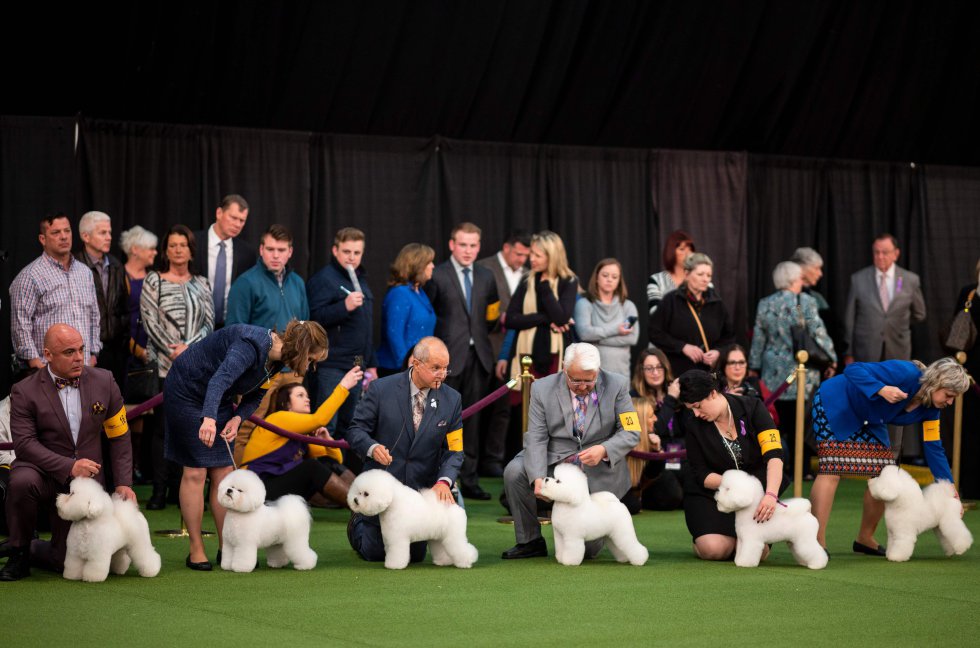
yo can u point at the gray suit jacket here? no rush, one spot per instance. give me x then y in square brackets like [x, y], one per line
[549, 438]
[492, 264]
[868, 327]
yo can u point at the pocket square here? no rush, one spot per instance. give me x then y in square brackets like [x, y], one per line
[441, 423]
[98, 408]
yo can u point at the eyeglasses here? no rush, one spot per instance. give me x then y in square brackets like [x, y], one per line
[736, 363]
[436, 371]
[657, 369]
[579, 383]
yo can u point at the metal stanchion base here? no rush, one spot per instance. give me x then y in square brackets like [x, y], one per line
[509, 519]
[969, 505]
[180, 533]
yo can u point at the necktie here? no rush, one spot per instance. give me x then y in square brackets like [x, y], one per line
[418, 409]
[580, 409]
[468, 287]
[883, 291]
[220, 269]
[61, 383]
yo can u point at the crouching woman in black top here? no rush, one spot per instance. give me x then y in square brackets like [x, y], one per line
[728, 432]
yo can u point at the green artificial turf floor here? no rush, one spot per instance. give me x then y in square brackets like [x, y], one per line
[674, 600]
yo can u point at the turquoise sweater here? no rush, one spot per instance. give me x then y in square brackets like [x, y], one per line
[257, 298]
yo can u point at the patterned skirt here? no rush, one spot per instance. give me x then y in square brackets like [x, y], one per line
[862, 454]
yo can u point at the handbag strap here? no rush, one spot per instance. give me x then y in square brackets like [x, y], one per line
[969, 300]
[700, 328]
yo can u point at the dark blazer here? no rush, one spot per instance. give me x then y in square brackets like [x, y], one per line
[672, 326]
[350, 332]
[113, 306]
[243, 258]
[455, 325]
[550, 311]
[42, 436]
[492, 263]
[384, 415]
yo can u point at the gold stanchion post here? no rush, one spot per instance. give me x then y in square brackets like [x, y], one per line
[801, 358]
[958, 429]
[526, 380]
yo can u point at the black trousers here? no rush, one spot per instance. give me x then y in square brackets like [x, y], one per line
[471, 383]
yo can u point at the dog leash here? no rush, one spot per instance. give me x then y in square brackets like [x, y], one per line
[230, 453]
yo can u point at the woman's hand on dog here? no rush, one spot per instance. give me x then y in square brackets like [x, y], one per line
[766, 508]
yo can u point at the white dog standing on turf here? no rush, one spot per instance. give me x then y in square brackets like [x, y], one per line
[792, 522]
[910, 511]
[107, 533]
[282, 527]
[578, 517]
[408, 516]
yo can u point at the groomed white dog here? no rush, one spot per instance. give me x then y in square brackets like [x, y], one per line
[282, 527]
[408, 516]
[578, 517]
[792, 522]
[910, 511]
[107, 533]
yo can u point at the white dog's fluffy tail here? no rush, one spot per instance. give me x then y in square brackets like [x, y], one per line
[796, 506]
[296, 515]
[140, 549]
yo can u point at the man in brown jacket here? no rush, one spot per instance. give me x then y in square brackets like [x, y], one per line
[57, 418]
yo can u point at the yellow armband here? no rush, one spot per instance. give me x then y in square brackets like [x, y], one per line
[930, 430]
[455, 440]
[493, 311]
[630, 421]
[769, 440]
[117, 425]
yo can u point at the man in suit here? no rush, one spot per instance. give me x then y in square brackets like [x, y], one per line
[57, 419]
[464, 298]
[883, 302]
[509, 268]
[221, 256]
[581, 414]
[410, 425]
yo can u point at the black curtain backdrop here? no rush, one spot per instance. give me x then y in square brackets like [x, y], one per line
[747, 212]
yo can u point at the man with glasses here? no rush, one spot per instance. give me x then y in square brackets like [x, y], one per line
[57, 419]
[409, 424]
[581, 415]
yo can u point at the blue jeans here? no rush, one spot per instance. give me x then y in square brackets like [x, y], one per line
[323, 381]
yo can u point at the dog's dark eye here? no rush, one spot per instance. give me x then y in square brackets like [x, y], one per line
[557, 481]
[364, 494]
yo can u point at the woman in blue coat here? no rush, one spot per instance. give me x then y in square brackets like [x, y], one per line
[851, 415]
[200, 392]
[407, 315]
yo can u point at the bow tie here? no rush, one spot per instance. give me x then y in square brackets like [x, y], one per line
[61, 383]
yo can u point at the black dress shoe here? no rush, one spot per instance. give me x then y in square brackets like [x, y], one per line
[6, 550]
[157, 501]
[475, 493]
[533, 549]
[198, 566]
[857, 547]
[18, 566]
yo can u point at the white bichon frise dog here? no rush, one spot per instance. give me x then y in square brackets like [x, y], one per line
[910, 510]
[792, 522]
[408, 516]
[282, 527]
[107, 533]
[578, 517]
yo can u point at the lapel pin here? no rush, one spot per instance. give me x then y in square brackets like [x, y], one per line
[98, 408]
[433, 404]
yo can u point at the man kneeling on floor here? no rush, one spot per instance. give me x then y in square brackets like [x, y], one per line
[581, 414]
[409, 424]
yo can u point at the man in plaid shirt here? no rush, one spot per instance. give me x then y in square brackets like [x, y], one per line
[55, 288]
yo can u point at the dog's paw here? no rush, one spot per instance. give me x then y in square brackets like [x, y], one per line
[395, 564]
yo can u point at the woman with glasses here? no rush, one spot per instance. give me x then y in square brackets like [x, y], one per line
[734, 377]
[407, 315]
[771, 355]
[726, 432]
[606, 318]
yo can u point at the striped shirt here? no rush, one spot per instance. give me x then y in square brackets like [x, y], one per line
[44, 294]
[175, 313]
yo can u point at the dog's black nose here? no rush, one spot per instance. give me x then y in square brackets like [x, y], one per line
[228, 492]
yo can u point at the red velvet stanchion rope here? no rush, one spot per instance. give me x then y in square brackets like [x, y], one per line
[776, 394]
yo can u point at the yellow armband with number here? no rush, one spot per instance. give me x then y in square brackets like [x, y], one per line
[769, 440]
[630, 421]
[493, 311]
[117, 425]
[455, 440]
[930, 430]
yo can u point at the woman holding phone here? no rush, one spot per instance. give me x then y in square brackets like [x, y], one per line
[606, 318]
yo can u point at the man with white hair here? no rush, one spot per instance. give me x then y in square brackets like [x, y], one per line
[109, 276]
[582, 415]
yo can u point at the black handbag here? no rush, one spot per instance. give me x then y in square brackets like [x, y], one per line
[961, 333]
[142, 383]
[803, 341]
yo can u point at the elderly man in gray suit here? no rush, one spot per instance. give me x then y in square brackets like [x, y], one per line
[581, 414]
[883, 302]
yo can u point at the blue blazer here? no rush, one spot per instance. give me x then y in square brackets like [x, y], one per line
[851, 402]
[406, 317]
[384, 415]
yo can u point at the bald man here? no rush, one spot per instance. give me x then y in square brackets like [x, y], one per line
[409, 424]
[57, 419]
